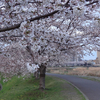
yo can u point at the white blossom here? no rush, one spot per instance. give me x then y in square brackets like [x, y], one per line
[51, 28]
[32, 68]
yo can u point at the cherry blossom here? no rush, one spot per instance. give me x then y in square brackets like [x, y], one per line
[49, 29]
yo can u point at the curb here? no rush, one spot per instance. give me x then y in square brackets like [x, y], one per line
[75, 87]
[78, 89]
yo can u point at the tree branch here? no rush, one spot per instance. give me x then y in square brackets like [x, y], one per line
[67, 4]
[32, 19]
[11, 36]
[7, 3]
[44, 16]
[92, 3]
[28, 2]
[39, 17]
[10, 27]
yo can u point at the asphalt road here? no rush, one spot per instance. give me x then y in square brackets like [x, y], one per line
[90, 88]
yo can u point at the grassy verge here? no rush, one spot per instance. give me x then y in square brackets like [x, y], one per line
[93, 78]
[89, 71]
[27, 89]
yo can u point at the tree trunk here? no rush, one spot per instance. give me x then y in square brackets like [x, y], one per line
[36, 74]
[42, 77]
[0, 87]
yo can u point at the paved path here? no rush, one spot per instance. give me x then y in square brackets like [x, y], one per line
[90, 88]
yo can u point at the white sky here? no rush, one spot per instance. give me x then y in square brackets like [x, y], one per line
[91, 57]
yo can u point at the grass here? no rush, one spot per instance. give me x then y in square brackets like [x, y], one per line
[91, 71]
[91, 78]
[27, 89]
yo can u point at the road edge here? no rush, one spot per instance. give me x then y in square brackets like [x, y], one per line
[73, 86]
[79, 90]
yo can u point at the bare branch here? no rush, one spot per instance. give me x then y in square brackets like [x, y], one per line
[10, 27]
[67, 4]
[44, 16]
[32, 19]
[28, 2]
[11, 36]
[28, 48]
[92, 3]
[7, 4]
[69, 24]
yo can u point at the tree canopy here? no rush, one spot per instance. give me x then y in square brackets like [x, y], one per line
[49, 29]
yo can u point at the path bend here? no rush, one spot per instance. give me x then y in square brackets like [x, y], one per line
[90, 88]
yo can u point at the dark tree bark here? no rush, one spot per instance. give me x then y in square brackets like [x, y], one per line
[42, 77]
[12, 27]
[0, 87]
[36, 74]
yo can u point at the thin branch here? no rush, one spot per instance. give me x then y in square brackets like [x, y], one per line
[10, 27]
[92, 3]
[7, 3]
[32, 19]
[28, 48]
[71, 47]
[44, 16]
[11, 36]
[39, 17]
[39, 2]
[67, 4]
[69, 24]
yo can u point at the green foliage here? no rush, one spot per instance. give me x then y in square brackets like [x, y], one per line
[27, 89]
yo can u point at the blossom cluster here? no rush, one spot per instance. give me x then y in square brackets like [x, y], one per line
[52, 29]
[32, 67]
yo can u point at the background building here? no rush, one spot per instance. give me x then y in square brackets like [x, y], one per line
[98, 57]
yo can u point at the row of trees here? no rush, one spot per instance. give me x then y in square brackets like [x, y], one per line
[45, 30]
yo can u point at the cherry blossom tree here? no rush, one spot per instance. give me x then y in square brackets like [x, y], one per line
[48, 29]
[13, 60]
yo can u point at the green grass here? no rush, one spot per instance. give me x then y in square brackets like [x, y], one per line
[90, 78]
[56, 89]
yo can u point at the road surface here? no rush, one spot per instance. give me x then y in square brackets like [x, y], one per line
[90, 88]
